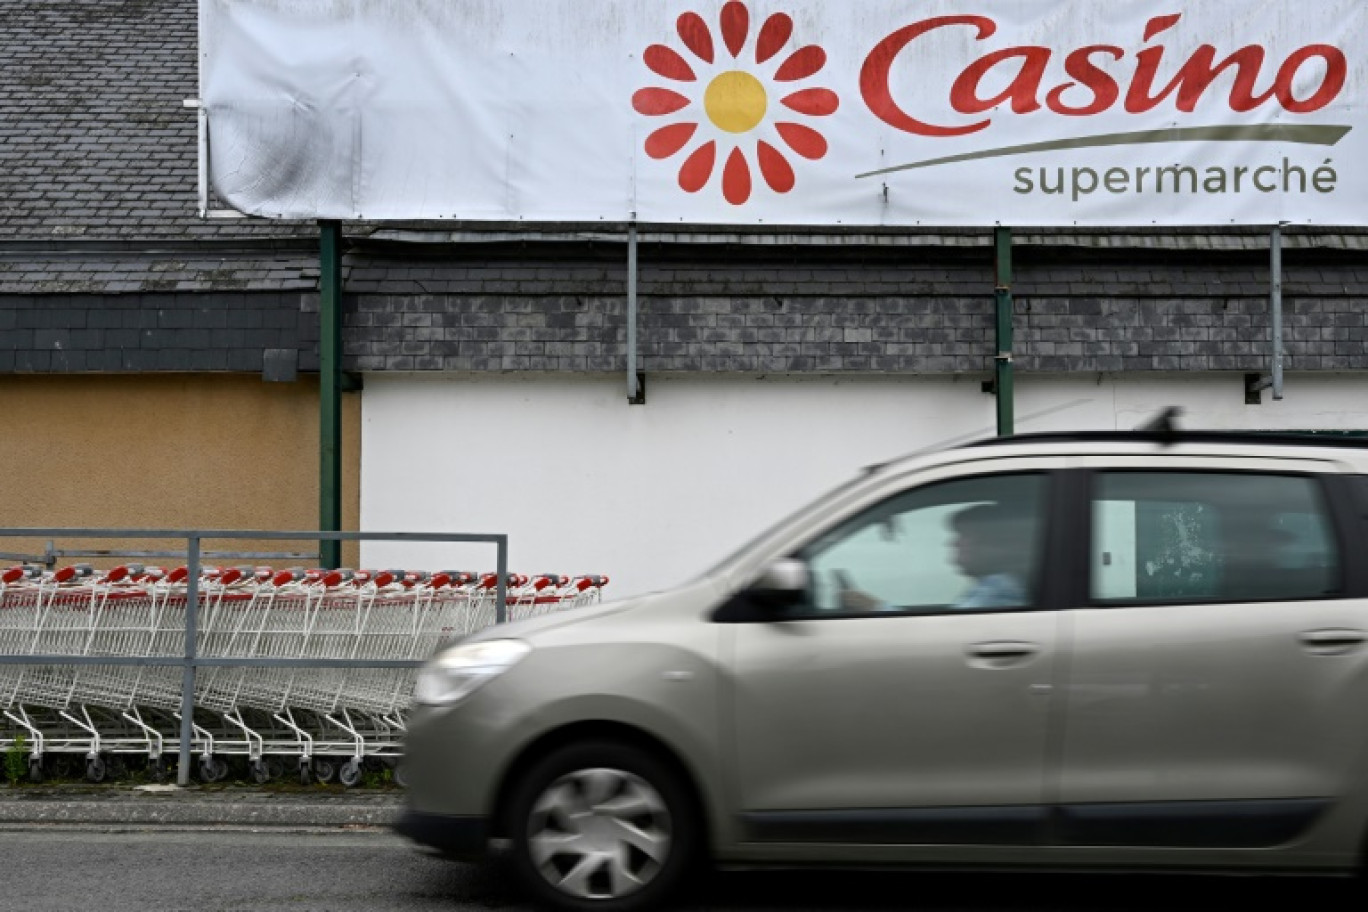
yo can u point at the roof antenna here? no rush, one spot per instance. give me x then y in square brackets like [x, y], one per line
[1165, 424]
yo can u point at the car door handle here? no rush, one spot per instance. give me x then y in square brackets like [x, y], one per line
[1002, 653]
[1332, 641]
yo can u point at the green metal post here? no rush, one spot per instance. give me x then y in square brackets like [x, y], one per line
[1002, 293]
[329, 391]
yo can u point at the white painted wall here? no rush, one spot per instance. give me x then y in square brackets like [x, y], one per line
[1210, 401]
[651, 495]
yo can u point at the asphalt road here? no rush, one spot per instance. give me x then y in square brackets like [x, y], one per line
[207, 870]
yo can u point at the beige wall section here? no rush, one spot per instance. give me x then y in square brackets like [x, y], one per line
[168, 451]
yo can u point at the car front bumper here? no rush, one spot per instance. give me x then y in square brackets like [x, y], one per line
[464, 838]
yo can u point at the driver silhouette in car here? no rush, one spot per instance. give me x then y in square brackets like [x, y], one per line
[990, 547]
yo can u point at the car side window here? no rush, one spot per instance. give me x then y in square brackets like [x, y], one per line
[1358, 484]
[969, 544]
[1211, 537]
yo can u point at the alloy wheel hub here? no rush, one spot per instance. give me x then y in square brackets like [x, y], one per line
[599, 833]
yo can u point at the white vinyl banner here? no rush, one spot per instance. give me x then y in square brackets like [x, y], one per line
[790, 112]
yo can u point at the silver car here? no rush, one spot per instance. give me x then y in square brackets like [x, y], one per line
[1100, 650]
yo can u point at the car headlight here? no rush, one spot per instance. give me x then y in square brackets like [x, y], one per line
[455, 673]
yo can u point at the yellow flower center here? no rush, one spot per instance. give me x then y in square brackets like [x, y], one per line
[735, 101]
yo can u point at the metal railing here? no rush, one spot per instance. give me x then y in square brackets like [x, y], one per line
[191, 660]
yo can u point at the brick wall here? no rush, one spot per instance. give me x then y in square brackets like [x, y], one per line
[562, 307]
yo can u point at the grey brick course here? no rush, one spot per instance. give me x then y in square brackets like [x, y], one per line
[897, 334]
[68, 334]
[1199, 314]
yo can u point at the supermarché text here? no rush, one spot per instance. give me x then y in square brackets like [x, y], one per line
[1078, 182]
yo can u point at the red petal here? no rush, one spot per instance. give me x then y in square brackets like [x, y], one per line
[697, 168]
[654, 102]
[800, 64]
[773, 34]
[735, 24]
[806, 141]
[668, 140]
[693, 31]
[778, 173]
[816, 102]
[666, 62]
[736, 179]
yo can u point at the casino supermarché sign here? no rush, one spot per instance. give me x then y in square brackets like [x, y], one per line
[790, 112]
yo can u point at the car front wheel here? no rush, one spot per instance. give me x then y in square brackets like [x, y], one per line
[602, 826]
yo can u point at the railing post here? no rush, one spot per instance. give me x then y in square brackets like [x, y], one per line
[1002, 294]
[636, 395]
[1275, 245]
[187, 730]
[329, 391]
[501, 591]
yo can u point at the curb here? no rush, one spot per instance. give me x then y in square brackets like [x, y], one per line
[190, 807]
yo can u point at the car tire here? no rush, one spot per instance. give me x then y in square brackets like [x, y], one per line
[602, 827]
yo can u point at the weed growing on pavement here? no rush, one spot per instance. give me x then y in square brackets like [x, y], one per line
[381, 778]
[16, 760]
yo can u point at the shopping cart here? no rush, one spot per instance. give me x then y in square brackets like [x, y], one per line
[327, 720]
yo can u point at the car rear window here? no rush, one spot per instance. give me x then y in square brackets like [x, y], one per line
[1210, 536]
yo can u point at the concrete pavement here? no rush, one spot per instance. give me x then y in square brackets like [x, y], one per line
[140, 806]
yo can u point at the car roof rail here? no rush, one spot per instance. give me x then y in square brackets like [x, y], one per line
[1170, 437]
[1163, 429]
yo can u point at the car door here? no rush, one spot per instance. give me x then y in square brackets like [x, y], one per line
[899, 718]
[1219, 659]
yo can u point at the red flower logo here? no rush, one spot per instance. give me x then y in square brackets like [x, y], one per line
[734, 102]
